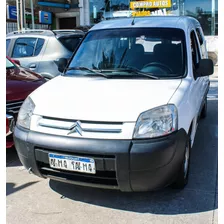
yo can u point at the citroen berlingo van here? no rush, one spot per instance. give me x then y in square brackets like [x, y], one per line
[124, 113]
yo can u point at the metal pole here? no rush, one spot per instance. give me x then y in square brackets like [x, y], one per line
[32, 14]
[183, 9]
[21, 14]
[24, 13]
[18, 14]
[213, 18]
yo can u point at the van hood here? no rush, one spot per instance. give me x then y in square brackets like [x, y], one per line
[100, 99]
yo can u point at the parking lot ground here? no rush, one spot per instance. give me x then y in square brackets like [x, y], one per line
[34, 200]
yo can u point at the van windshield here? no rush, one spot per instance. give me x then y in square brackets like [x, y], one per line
[159, 52]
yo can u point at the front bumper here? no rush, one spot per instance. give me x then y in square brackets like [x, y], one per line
[128, 165]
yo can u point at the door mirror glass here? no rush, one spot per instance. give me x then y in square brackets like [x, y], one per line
[62, 62]
[205, 67]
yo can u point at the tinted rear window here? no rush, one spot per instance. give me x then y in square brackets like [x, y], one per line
[70, 43]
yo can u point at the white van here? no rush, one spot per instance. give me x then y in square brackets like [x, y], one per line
[124, 113]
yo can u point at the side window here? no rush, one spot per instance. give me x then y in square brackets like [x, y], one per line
[194, 51]
[200, 38]
[202, 42]
[24, 47]
[39, 46]
[7, 44]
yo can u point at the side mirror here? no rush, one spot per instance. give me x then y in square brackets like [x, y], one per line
[62, 62]
[16, 61]
[205, 67]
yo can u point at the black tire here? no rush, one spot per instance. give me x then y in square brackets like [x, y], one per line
[182, 178]
[204, 110]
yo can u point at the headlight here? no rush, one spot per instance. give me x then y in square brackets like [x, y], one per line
[25, 113]
[156, 122]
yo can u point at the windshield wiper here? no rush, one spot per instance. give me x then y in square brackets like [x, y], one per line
[133, 70]
[98, 73]
[137, 72]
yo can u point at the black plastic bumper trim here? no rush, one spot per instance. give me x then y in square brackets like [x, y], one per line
[139, 165]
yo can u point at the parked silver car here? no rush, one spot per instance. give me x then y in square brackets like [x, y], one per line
[40, 50]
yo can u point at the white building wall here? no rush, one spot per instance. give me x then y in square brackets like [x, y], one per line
[212, 47]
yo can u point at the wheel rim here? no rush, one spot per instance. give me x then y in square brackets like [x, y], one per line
[186, 161]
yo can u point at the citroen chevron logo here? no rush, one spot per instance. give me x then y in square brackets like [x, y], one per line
[76, 128]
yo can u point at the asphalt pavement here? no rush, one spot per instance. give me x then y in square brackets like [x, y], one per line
[30, 199]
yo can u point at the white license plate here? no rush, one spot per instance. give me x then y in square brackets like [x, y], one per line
[72, 163]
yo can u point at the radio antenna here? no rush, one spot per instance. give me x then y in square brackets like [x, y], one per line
[133, 22]
[135, 14]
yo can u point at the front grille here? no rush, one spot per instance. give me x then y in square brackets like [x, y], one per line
[13, 107]
[80, 126]
[105, 169]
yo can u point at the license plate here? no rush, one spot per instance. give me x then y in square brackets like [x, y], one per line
[72, 163]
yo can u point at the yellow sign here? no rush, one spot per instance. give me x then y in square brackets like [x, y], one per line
[151, 4]
[141, 13]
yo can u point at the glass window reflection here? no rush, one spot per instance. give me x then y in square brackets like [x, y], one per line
[206, 11]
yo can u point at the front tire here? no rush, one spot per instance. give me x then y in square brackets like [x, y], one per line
[182, 178]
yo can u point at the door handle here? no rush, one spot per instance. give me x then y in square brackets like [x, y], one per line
[32, 66]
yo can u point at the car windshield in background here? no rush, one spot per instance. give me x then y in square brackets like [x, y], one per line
[70, 42]
[9, 64]
[158, 52]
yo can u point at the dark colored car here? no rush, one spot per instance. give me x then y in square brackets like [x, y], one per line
[20, 82]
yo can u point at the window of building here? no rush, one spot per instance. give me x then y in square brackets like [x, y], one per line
[105, 9]
[205, 11]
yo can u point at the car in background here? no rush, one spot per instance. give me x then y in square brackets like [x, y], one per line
[40, 50]
[20, 82]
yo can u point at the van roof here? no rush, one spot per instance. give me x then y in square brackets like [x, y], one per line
[181, 22]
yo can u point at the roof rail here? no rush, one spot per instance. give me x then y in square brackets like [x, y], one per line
[45, 32]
